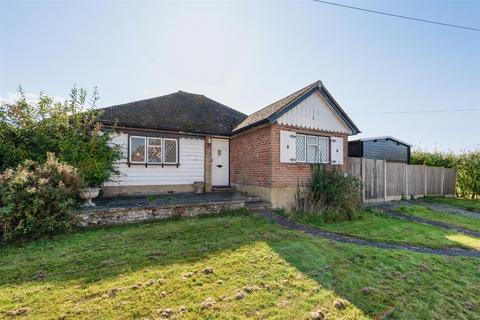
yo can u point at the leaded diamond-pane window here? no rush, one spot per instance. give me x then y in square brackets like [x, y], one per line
[155, 150]
[312, 149]
[323, 149]
[300, 147]
[170, 149]
[137, 149]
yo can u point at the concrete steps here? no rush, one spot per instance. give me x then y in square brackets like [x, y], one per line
[257, 203]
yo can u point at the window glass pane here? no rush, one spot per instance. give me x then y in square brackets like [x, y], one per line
[323, 149]
[300, 146]
[170, 150]
[155, 141]
[137, 149]
[155, 150]
[312, 149]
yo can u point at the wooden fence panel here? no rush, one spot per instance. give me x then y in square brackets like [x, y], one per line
[355, 167]
[449, 181]
[416, 180]
[434, 181]
[396, 179]
[384, 181]
[374, 179]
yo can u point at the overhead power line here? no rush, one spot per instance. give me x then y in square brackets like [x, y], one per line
[398, 16]
[417, 111]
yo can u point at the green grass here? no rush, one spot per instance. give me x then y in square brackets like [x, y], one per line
[453, 219]
[287, 275]
[468, 204]
[375, 226]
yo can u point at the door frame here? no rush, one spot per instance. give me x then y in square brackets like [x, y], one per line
[228, 160]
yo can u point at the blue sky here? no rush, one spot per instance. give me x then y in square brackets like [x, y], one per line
[249, 54]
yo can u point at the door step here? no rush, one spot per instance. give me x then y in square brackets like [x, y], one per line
[223, 189]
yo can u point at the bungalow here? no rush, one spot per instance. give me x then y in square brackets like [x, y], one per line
[173, 141]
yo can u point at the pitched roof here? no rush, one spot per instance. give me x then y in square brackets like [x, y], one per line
[274, 110]
[180, 111]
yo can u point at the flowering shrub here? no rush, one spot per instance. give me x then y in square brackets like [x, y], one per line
[70, 129]
[36, 199]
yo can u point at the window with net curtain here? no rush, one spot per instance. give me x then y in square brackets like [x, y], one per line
[312, 149]
[153, 150]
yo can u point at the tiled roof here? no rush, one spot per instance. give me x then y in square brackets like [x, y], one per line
[180, 111]
[272, 111]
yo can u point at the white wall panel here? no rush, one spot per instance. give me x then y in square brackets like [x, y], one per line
[314, 113]
[191, 169]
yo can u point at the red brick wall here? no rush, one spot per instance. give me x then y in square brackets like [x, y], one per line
[255, 158]
[290, 174]
[250, 157]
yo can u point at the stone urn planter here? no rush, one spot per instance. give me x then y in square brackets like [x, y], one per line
[88, 194]
[198, 187]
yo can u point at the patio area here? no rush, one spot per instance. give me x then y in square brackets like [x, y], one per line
[120, 210]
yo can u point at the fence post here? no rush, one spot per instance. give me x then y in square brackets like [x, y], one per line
[385, 180]
[424, 180]
[442, 189]
[406, 180]
[362, 178]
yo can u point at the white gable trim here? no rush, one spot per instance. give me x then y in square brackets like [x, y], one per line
[315, 113]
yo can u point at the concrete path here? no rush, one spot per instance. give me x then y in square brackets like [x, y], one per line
[290, 224]
[387, 208]
[446, 208]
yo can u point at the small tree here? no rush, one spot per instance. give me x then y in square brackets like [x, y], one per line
[69, 129]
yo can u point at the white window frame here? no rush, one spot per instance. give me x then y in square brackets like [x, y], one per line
[154, 145]
[319, 138]
[328, 149]
[164, 153]
[144, 149]
[310, 144]
[304, 146]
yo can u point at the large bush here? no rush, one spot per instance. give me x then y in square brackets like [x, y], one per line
[467, 165]
[37, 199]
[330, 195]
[69, 129]
[433, 159]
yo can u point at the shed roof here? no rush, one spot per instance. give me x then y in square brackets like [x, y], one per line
[180, 111]
[271, 112]
[384, 138]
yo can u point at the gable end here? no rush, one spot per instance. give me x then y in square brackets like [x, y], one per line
[346, 124]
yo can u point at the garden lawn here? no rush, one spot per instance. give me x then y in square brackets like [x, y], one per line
[468, 204]
[375, 226]
[140, 271]
[450, 218]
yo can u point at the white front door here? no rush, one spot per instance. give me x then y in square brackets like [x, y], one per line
[220, 159]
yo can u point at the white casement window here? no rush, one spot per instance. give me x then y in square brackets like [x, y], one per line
[137, 149]
[170, 154]
[154, 152]
[323, 144]
[301, 146]
[312, 149]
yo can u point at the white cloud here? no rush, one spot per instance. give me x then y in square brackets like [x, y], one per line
[30, 97]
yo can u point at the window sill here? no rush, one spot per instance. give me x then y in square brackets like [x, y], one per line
[153, 164]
